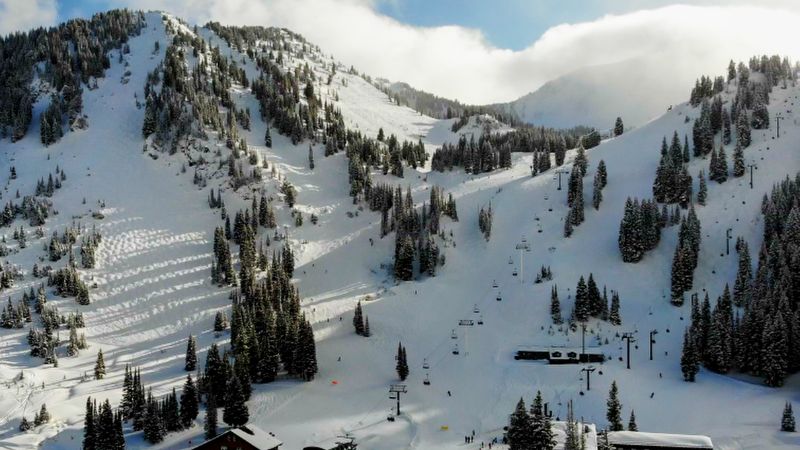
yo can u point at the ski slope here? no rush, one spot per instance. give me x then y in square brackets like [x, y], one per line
[153, 282]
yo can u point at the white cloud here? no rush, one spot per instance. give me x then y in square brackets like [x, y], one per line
[22, 15]
[458, 62]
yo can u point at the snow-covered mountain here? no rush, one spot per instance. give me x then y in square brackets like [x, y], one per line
[151, 286]
[634, 89]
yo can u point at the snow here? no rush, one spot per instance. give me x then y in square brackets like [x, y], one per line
[659, 440]
[153, 285]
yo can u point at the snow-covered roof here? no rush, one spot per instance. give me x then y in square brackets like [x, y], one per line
[659, 440]
[257, 437]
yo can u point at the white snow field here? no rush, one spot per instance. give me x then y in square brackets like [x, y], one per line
[153, 282]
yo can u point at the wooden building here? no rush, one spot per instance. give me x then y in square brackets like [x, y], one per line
[560, 355]
[247, 437]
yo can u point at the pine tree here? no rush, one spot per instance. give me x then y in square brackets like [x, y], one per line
[99, 366]
[632, 422]
[367, 332]
[210, 426]
[520, 429]
[614, 409]
[89, 430]
[774, 359]
[191, 355]
[619, 128]
[738, 161]
[153, 425]
[310, 158]
[542, 436]
[358, 320]
[702, 191]
[189, 402]
[235, 413]
[582, 307]
[614, 315]
[402, 363]
[690, 363]
[555, 306]
[787, 422]
[597, 191]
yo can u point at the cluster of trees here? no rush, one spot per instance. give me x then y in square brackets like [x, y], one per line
[441, 108]
[576, 215]
[40, 418]
[89, 245]
[475, 157]
[589, 303]
[756, 329]
[15, 316]
[493, 151]
[416, 230]
[361, 322]
[68, 283]
[684, 260]
[155, 417]
[102, 427]
[529, 430]
[640, 228]
[672, 183]
[485, 217]
[599, 182]
[401, 365]
[61, 246]
[35, 209]
[48, 188]
[70, 54]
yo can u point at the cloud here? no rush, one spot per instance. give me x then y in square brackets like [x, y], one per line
[22, 15]
[458, 62]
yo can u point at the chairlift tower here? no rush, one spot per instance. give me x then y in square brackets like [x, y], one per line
[522, 246]
[394, 393]
[466, 323]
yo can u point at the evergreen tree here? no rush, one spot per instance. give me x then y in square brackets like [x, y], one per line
[402, 363]
[555, 306]
[614, 315]
[738, 161]
[189, 402]
[614, 409]
[702, 191]
[542, 436]
[89, 431]
[787, 422]
[619, 128]
[582, 308]
[690, 362]
[632, 422]
[358, 320]
[235, 413]
[520, 429]
[191, 355]
[210, 426]
[99, 366]
[742, 129]
[153, 425]
[774, 359]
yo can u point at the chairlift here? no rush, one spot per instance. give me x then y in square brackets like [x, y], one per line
[453, 334]
[510, 261]
[475, 309]
[455, 349]
[499, 298]
[427, 380]
[425, 364]
[514, 273]
[480, 320]
[494, 284]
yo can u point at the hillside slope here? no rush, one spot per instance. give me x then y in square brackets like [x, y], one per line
[154, 289]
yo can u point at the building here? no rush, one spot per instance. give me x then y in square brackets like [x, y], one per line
[247, 437]
[634, 440]
[560, 355]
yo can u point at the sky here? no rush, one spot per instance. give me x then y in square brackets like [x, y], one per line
[480, 51]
